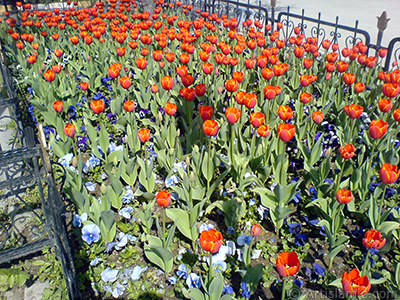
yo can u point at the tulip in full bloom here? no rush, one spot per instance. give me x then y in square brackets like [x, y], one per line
[97, 106]
[344, 196]
[232, 114]
[353, 111]
[373, 239]
[286, 131]
[210, 127]
[389, 173]
[129, 106]
[211, 240]
[170, 108]
[69, 130]
[144, 135]
[377, 129]
[391, 90]
[285, 112]
[355, 285]
[257, 119]
[287, 264]
[163, 198]
[58, 106]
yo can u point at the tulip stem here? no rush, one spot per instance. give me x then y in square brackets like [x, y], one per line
[366, 264]
[164, 237]
[210, 271]
[284, 288]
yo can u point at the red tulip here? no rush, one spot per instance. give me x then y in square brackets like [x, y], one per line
[74, 39]
[188, 93]
[231, 85]
[187, 80]
[354, 111]
[200, 90]
[58, 106]
[317, 116]
[389, 173]
[184, 58]
[31, 59]
[382, 52]
[267, 73]
[141, 63]
[373, 239]
[344, 196]
[391, 90]
[144, 135]
[129, 106]
[84, 86]
[286, 131]
[232, 114]
[97, 106]
[206, 112]
[249, 100]
[257, 119]
[355, 285]
[264, 130]
[182, 71]
[305, 80]
[121, 51]
[307, 63]
[269, 92]
[211, 240]
[238, 76]
[249, 63]
[207, 68]
[349, 78]
[287, 264]
[299, 52]
[396, 115]
[210, 127]
[305, 97]
[342, 66]
[347, 151]
[69, 130]
[377, 129]
[163, 198]
[157, 55]
[285, 112]
[359, 87]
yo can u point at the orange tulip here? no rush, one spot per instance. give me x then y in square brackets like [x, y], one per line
[211, 240]
[97, 106]
[49, 75]
[125, 82]
[231, 85]
[285, 112]
[349, 78]
[305, 97]
[249, 100]
[167, 83]
[69, 130]
[354, 111]
[377, 129]
[207, 68]
[269, 92]
[389, 173]
[58, 106]
[385, 105]
[141, 63]
[317, 116]
[359, 87]
[163, 198]
[257, 119]
[144, 135]
[232, 114]
[342, 66]
[286, 131]
[287, 264]
[264, 130]
[355, 285]
[84, 86]
[31, 59]
[255, 230]
[238, 76]
[210, 127]
[129, 106]
[206, 112]
[170, 108]
[200, 90]
[344, 196]
[347, 151]
[373, 239]
[391, 90]
[396, 115]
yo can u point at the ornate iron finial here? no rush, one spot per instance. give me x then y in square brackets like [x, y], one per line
[273, 3]
[382, 21]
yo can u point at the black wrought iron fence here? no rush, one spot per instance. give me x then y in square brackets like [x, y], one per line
[28, 223]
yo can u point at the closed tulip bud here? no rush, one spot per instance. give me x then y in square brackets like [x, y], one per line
[359, 87]
[97, 106]
[264, 130]
[250, 100]
[255, 230]
[382, 52]
[349, 78]
[269, 92]
[232, 114]
[141, 63]
[389, 173]
[396, 115]
[210, 127]
[342, 66]
[144, 135]
[154, 88]
[385, 105]
[317, 117]
[129, 106]
[163, 198]
[69, 130]
[31, 59]
[49, 75]
[286, 132]
[377, 129]
[206, 112]
[267, 73]
[84, 86]
[170, 109]
[305, 80]
[344, 196]
[200, 90]
[58, 106]
[354, 111]
[257, 119]
[305, 97]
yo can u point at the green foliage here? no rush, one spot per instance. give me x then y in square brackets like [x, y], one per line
[11, 277]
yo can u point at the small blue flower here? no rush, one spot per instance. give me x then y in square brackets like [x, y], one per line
[91, 187]
[193, 281]
[300, 239]
[298, 282]
[245, 290]
[172, 280]
[205, 227]
[244, 239]
[96, 261]
[252, 202]
[228, 289]
[117, 292]
[231, 230]
[134, 273]
[182, 271]
[126, 212]
[110, 246]
[319, 270]
[91, 233]
[109, 275]
[171, 181]
[127, 198]
[79, 219]
[294, 227]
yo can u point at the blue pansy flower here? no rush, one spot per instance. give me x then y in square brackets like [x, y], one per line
[319, 270]
[244, 239]
[117, 292]
[193, 281]
[231, 230]
[109, 275]
[127, 198]
[245, 290]
[171, 181]
[96, 261]
[91, 187]
[294, 227]
[182, 271]
[300, 239]
[126, 212]
[228, 289]
[134, 273]
[79, 219]
[298, 282]
[172, 280]
[91, 233]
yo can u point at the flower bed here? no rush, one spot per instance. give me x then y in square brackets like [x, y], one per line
[208, 160]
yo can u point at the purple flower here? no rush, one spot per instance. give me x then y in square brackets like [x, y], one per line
[294, 227]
